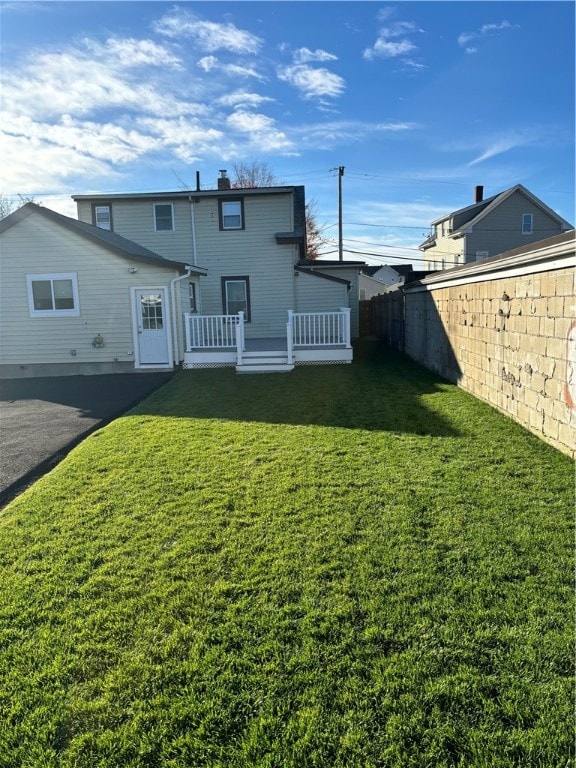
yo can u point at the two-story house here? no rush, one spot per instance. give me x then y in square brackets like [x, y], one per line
[199, 278]
[511, 219]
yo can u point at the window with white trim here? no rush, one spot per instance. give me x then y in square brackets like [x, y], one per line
[236, 296]
[231, 214]
[527, 224]
[53, 295]
[482, 255]
[163, 217]
[102, 216]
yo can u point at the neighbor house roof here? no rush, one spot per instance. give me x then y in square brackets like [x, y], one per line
[106, 238]
[560, 249]
[322, 275]
[318, 263]
[478, 211]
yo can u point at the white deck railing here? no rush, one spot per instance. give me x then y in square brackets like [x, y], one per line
[303, 329]
[320, 329]
[214, 331]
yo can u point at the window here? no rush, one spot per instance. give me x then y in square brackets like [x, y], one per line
[192, 294]
[163, 217]
[102, 216]
[231, 214]
[54, 295]
[527, 224]
[151, 308]
[482, 255]
[236, 296]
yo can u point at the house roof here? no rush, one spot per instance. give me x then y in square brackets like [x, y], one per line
[107, 239]
[192, 194]
[562, 245]
[323, 275]
[478, 211]
[317, 263]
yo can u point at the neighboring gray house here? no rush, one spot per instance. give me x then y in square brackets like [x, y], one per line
[256, 303]
[500, 223]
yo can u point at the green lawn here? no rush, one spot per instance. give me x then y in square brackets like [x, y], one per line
[347, 566]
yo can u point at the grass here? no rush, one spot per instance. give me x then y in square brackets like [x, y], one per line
[349, 567]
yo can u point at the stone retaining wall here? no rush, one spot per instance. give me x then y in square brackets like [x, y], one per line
[508, 341]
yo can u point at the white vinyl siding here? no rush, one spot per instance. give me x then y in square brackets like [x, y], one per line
[37, 246]
[251, 252]
[134, 219]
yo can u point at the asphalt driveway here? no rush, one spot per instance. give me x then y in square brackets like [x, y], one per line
[41, 419]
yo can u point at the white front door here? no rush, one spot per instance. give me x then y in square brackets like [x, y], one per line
[152, 331]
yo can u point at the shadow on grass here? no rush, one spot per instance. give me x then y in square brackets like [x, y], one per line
[381, 390]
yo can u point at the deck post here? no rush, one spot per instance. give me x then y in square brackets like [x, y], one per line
[289, 331]
[187, 331]
[240, 336]
[346, 329]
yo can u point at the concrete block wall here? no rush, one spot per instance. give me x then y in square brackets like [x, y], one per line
[508, 341]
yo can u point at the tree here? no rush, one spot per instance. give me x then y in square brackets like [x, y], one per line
[8, 205]
[254, 173]
[314, 240]
[257, 173]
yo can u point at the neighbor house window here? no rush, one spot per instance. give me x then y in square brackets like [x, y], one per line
[163, 217]
[236, 296]
[527, 224]
[102, 216]
[231, 214]
[482, 255]
[53, 295]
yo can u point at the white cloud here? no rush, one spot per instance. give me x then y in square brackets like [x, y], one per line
[52, 84]
[134, 53]
[213, 64]
[327, 135]
[243, 98]
[30, 165]
[103, 141]
[311, 82]
[208, 35]
[486, 29]
[387, 44]
[262, 131]
[305, 55]
[208, 63]
[387, 49]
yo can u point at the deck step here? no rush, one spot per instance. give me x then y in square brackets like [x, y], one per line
[274, 365]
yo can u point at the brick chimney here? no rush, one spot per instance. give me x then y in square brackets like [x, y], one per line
[223, 180]
[478, 194]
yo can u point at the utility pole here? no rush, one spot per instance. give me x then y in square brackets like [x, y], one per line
[340, 248]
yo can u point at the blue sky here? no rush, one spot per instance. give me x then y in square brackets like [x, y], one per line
[419, 101]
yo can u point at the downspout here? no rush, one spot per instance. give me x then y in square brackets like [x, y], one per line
[175, 342]
[193, 224]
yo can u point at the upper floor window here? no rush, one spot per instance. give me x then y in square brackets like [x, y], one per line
[527, 224]
[102, 216]
[231, 214]
[163, 217]
[53, 295]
